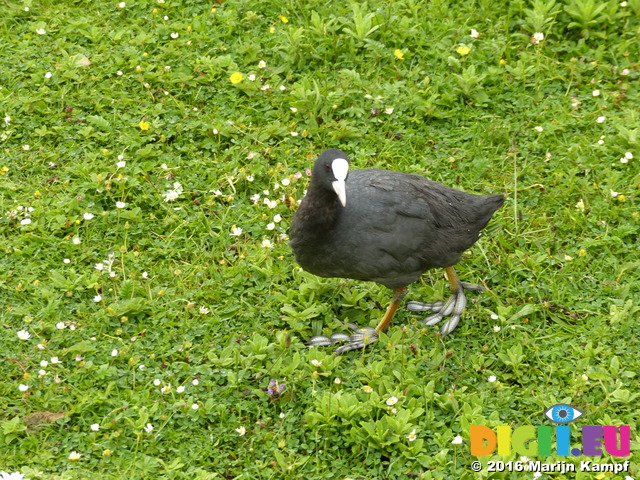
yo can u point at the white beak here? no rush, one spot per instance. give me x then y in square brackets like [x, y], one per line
[340, 168]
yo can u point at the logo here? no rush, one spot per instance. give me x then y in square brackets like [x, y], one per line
[545, 440]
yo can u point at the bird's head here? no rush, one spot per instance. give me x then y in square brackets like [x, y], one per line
[332, 169]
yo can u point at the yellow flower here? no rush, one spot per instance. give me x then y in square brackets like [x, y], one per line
[236, 77]
[283, 19]
[144, 126]
[463, 50]
[272, 29]
[398, 54]
[4, 170]
[502, 61]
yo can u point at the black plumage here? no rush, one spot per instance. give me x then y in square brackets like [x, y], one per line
[392, 227]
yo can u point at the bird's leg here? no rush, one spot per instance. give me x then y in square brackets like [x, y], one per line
[452, 307]
[362, 336]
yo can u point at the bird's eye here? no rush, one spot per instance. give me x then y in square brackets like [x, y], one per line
[327, 166]
[563, 413]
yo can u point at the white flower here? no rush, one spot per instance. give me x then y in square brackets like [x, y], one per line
[235, 231]
[494, 316]
[76, 240]
[195, 406]
[496, 328]
[537, 38]
[293, 109]
[24, 335]
[120, 204]
[87, 216]
[41, 31]
[600, 119]
[250, 178]
[412, 436]
[156, 382]
[492, 378]
[271, 226]
[114, 352]
[122, 5]
[277, 218]
[180, 389]
[623, 4]
[97, 298]
[195, 382]
[7, 119]
[55, 360]
[61, 325]
[286, 182]
[23, 388]
[175, 35]
[251, 77]
[48, 75]
[595, 93]
[145, 275]
[388, 110]
[474, 33]
[44, 363]
[148, 428]
[74, 456]
[568, 258]
[171, 195]
[628, 155]
[25, 221]
[282, 415]
[95, 427]
[266, 243]
[26, 147]
[316, 363]
[294, 134]
[391, 401]
[262, 64]
[166, 389]
[119, 73]
[580, 205]
[42, 373]
[282, 88]
[121, 164]
[457, 440]
[613, 193]
[241, 431]
[203, 310]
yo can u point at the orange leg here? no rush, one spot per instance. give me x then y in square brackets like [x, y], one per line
[398, 295]
[452, 276]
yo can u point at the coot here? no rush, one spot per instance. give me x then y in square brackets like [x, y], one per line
[386, 227]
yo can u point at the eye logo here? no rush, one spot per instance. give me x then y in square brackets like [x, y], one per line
[563, 413]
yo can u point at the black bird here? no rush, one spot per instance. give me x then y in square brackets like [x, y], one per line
[386, 227]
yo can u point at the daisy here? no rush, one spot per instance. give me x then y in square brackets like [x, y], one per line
[24, 335]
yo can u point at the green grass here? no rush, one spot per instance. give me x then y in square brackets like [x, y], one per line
[179, 298]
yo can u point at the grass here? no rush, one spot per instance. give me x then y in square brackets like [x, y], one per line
[145, 200]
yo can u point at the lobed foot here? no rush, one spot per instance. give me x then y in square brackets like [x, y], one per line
[452, 308]
[362, 337]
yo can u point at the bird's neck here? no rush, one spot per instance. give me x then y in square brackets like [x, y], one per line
[322, 209]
